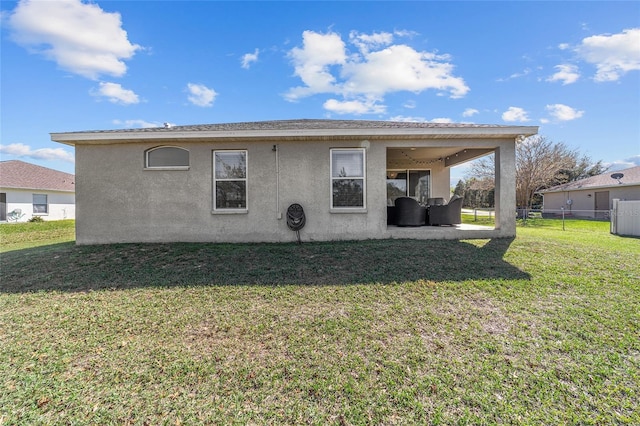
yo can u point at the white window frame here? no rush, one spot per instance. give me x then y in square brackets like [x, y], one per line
[46, 204]
[177, 167]
[349, 209]
[230, 210]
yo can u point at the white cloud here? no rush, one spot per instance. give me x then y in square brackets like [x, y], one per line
[249, 58]
[513, 76]
[524, 73]
[613, 54]
[401, 68]
[406, 119]
[136, 124]
[25, 151]
[201, 95]
[312, 62]
[116, 94]
[566, 74]
[563, 112]
[79, 37]
[357, 107]
[325, 66]
[515, 114]
[405, 33]
[410, 104]
[625, 163]
[470, 112]
[442, 120]
[366, 42]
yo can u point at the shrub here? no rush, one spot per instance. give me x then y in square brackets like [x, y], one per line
[36, 219]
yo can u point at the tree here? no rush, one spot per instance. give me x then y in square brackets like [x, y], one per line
[583, 168]
[476, 192]
[540, 163]
[347, 192]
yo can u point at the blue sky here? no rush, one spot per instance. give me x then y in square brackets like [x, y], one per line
[572, 68]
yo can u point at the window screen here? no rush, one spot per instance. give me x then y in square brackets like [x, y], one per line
[40, 204]
[230, 180]
[167, 157]
[348, 178]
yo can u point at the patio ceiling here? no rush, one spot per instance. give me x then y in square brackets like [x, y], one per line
[422, 157]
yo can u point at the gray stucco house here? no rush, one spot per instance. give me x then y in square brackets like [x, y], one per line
[234, 182]
[593, 197]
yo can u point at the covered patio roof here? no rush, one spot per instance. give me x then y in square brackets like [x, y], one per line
[450, 155]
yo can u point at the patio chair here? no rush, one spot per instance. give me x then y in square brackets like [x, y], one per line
[449, 214]
[15, 215]
[438, 201]
[391, 215]
[409, 213]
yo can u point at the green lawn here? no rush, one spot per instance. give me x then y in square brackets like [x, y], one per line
[542, 329]
[15, 236]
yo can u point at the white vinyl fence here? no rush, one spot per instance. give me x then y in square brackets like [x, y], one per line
[625, 217]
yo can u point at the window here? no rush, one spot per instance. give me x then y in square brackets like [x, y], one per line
[167, 157]
[348, 183]
[408, 183]
[40, 205]
[230, 180]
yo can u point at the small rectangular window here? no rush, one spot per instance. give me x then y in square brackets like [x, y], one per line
[229, 180]
[348, 180]
[40, 204]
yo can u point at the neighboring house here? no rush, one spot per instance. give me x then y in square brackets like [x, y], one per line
[593, 196]
[234, 182]
[27, 190]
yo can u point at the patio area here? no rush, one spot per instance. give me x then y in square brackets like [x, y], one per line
[462, 231]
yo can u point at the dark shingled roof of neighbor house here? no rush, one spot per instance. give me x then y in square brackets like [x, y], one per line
[20, 175]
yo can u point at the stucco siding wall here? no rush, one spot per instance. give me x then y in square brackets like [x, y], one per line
[505, 178]
[581, 205]
[625, 193]
[440, 181]
[61, 205]
[583, 201]
[118, 200]
[554, 201]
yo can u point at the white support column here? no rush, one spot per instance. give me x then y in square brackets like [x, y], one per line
[505, 196]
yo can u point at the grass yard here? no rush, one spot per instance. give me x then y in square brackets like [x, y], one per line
[542, 329]
[15, 236]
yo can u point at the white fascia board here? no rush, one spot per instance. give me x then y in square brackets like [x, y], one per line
[587, 188]
[26, 188]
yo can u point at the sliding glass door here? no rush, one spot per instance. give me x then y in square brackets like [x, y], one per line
[408, 183]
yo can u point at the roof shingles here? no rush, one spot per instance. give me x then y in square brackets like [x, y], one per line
[302, 124]
[631, 177]
[20, 175]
